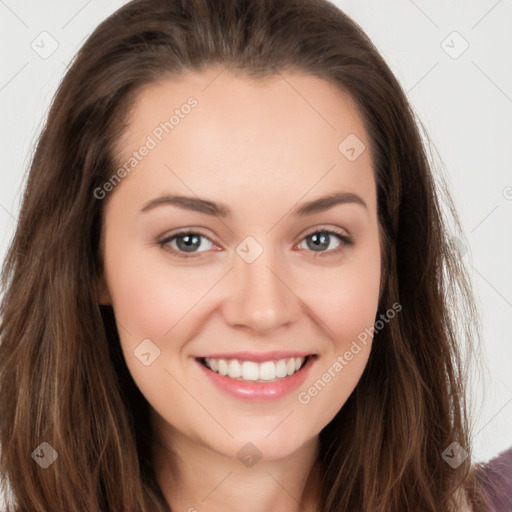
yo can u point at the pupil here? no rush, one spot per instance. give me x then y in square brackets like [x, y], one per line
[322, 238]
[190, 242]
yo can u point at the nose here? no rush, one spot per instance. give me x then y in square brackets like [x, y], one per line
[261, 296]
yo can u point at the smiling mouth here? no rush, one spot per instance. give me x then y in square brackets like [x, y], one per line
[250, 371]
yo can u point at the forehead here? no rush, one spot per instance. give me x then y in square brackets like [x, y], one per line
[287, 132]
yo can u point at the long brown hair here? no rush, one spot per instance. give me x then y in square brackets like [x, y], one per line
[63, 379]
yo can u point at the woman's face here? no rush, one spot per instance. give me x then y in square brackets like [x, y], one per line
[262, 280]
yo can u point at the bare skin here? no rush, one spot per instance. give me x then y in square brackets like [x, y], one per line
[263, 149]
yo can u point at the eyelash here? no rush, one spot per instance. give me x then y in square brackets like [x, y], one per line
[344, 239]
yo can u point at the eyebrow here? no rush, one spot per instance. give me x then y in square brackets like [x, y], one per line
[200, 205]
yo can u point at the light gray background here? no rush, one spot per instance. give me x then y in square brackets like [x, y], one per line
[464, 101]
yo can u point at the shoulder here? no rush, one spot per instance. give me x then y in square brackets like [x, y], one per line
[496, 478]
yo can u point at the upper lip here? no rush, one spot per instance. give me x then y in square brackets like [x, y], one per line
[258, 356]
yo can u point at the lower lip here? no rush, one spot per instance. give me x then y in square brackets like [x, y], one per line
[259, 390]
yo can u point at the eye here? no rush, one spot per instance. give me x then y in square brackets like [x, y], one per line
[319, 241]
[186, 242]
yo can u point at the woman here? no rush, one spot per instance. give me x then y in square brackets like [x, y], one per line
[172, 338]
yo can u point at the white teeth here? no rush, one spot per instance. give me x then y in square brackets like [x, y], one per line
[267, 371]
[281, 368]
[235, 369]
[223, 367]
[252, 371]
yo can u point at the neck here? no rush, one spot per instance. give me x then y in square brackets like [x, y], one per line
[195, 477]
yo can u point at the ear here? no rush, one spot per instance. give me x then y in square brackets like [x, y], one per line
[104, 297]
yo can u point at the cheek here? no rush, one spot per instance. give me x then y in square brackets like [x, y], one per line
[150, 303]
[346, 300]
[147, 298]
[346, 303]
[350, 320]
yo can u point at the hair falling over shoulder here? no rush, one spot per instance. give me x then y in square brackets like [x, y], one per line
[63, 380]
